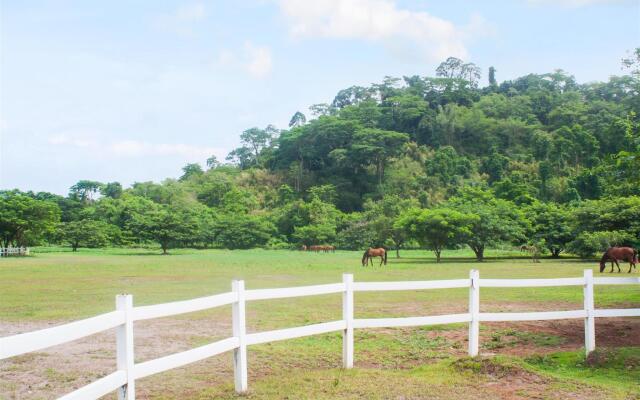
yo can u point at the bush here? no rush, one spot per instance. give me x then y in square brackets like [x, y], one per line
[243, 231]
[587, 244]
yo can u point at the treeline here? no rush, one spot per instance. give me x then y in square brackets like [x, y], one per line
[435, 162]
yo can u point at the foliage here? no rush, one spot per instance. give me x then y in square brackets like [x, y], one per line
[437, 229]
[538, 159]
[496, 221]
[587, 244]
[87, 233]
[24, 220]
[242, 231]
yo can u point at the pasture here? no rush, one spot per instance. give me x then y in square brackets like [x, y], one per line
[518, 360]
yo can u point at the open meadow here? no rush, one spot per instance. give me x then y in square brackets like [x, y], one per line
[518, 360]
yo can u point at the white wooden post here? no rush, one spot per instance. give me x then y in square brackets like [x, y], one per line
[124, 346]
[240, 331]
[474, 311]
[589, 321]
[347, 315]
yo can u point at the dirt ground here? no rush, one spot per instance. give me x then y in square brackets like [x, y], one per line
[58, 370]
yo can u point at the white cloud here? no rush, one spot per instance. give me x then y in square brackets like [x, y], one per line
[254, 60]
[376, 21]
[258, 60]
[572, 3]
[70, 140]
[192, 12]
[181, 21]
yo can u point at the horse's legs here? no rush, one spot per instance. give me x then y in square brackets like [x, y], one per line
[617, 265]
[381, 260]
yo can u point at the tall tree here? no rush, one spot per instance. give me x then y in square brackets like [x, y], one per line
[298, 119]
[24, 220]
[492, 77]
[437, 229]
[84, 190]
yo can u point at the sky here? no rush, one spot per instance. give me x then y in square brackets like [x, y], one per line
[132, 91]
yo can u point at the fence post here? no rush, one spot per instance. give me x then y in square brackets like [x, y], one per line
[347, 315]
[239, 331]
[474, 311]
[124, 346]
[589, 321]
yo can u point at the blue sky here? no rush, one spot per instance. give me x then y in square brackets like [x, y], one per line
[132, 91]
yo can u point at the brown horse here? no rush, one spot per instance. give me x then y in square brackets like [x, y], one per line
[534, 251]
[370, 253]
[614, 254]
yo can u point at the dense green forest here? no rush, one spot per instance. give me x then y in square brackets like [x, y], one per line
[431, 162]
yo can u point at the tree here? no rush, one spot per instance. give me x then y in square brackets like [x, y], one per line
[212, 162]
[498, 221]
[376, 146]
[111, 189]
[256, 140]
[242, 231]
[298, 119]
[87, 233]
[191, 170]
[382, 216]
[455, 68]
[492, 77]
[24, 220]
[84, 190]
[551, 224]
[437, 229]
[587, 244]
[167, 225]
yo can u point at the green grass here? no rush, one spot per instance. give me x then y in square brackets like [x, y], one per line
[64, 285]
[612, 368]
[57, 285]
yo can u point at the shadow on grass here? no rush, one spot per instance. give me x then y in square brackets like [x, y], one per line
[472, 260]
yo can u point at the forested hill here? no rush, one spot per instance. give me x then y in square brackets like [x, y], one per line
[539, 142]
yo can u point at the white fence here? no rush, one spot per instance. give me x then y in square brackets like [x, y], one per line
[14, 251]
[123, 379]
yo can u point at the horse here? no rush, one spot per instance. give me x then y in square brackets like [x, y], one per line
[370, 253]
[614, 254]
[532, 250]
[303, 248]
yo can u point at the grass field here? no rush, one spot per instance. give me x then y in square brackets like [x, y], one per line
[523, 360]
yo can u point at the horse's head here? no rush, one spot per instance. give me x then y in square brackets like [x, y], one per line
[602, 265]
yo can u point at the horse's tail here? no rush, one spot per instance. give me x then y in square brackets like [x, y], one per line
[364, 257]
[385, 257]
[635, 256]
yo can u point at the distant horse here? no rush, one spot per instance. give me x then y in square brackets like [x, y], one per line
[370, 253]
[614, 254]
[532, 250]
[303, 248]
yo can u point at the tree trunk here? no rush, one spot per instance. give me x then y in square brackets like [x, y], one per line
[555, 253]
[397, 251]
[437, 255]
[74, 246]
[164, 248]
[479, 250]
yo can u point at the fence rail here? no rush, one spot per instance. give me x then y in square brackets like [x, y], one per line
[123, 379]
[14, 251]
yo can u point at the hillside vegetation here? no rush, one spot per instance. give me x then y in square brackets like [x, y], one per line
[431, 162]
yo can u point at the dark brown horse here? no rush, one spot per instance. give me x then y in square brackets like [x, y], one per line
[614, 254]
[370, 253]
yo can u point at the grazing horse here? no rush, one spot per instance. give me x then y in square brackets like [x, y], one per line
[370, 253]
[532, 250]
[614, 254]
